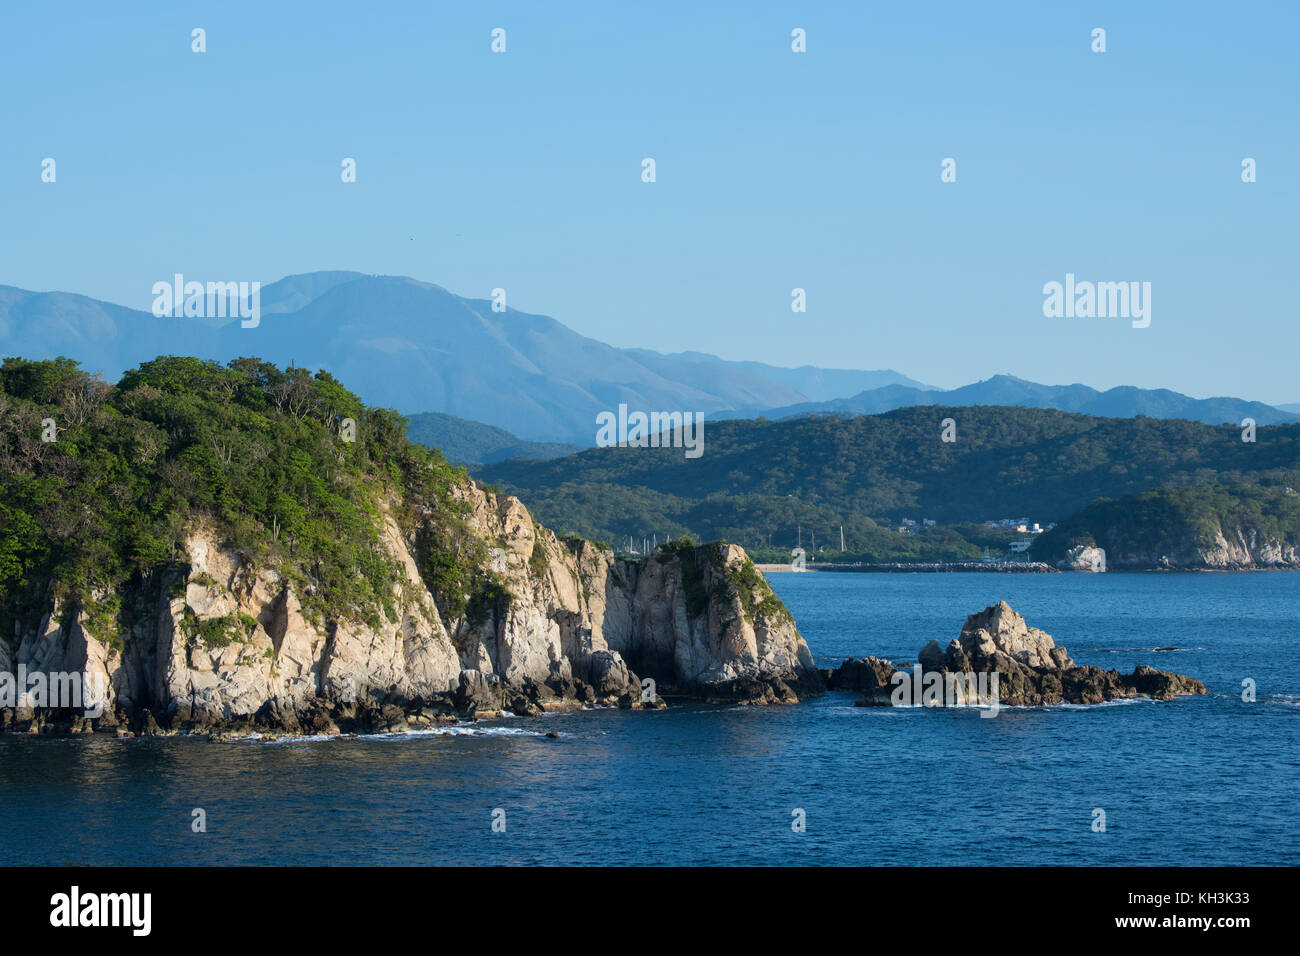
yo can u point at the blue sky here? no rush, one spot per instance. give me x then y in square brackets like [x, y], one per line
[775, 170]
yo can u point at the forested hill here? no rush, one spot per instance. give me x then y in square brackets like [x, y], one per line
[100, 484]
[466, 442]
[757, 480]
[1190, 527]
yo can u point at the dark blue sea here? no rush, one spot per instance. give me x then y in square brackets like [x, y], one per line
[1210, 780]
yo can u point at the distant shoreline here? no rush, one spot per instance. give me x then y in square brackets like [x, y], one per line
[937, 567]
[1018, 567]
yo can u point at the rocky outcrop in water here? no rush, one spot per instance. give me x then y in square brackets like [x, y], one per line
[1032, 669]
[859, 674]
[1083, 558]
[221, 645]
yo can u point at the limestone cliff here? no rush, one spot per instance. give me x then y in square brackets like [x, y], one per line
[220, 644]
[1235, 549]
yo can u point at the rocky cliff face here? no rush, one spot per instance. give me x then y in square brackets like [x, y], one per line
[1185, 529]
[1032, 669]
[1236, 550]
[221, 645]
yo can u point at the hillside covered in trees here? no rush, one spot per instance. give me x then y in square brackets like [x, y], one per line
[765, 483]
[1191, 526]
[99, 483]
[472, 443]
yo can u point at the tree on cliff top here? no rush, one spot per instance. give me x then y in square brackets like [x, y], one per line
[266, 456]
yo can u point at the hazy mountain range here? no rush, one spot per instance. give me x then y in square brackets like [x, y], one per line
[1121, 402]
[413, 346]
[817, 384]
[417, 347]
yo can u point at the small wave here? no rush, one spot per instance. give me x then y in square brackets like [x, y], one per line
[1117, 702]
[1145, 650]
[455, 730]
[273, 739]
[1065, 705]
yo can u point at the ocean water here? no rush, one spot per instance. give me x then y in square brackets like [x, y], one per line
[1210, 780]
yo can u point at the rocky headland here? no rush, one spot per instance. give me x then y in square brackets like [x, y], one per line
[220, 645]
[242, 548]
[1232, 526]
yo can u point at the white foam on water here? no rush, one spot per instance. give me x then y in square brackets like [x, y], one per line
[1065, 705]
[455, 730]
[263, 738]
[1117, 702]
[1145, 650]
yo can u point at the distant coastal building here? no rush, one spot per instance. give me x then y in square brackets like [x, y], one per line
[907, 525]
[1022, 525]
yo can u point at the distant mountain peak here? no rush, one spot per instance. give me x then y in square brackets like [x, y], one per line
[416, 346]
[405, 343]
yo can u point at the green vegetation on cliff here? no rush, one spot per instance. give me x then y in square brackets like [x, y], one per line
[259, 454]
[757, 599]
